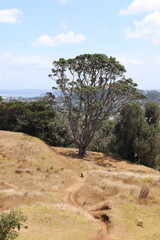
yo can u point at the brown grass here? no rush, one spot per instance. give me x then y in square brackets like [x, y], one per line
[34, 177]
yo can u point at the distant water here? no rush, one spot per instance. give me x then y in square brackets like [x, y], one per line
[24, 93]
[17, 95]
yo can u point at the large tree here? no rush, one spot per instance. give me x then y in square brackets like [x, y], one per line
[94, 87]
[137, 133]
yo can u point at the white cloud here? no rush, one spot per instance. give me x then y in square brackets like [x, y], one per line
[138, 6]
[62, 38]
[144, 72]
[21, 71]
[148, 28]
[19, 60]
[131, 63]
[10, 15]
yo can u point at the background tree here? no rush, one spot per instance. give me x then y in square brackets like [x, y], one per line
[94, 87]
[59, 132]
[27, 117]
[137, 136]
[130, 125]
[103, 137]
[152, 113]
[38, 118]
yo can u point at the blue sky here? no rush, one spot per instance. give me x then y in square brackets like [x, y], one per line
[35, 33]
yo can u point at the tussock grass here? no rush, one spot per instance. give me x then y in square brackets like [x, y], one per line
[106, 184]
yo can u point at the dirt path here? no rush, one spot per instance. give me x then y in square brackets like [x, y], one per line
[70, 199]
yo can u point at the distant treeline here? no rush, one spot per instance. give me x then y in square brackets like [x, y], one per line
[133, 135]
[151, 95]
[37, 118]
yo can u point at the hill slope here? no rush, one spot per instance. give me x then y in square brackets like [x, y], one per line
[45, 183]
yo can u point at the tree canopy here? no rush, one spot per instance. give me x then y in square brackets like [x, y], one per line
[137, 133]
[94, 87]
[37, 118]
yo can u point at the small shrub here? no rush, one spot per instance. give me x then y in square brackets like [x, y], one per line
[146, 179]
[10, 222]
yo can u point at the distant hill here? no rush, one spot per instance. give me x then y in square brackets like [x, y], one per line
[25, 92]
[151, 95]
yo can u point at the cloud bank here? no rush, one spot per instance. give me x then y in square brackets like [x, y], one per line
[144, 71]
[139, 6]
[10, 16]
[148, 28]
[25, 71]
[60, 39]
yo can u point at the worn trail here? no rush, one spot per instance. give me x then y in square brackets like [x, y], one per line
[71, 200]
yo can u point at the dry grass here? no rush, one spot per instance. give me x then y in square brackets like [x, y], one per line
[136, 222]
[34, 177]
[57, 222]
[103, 184]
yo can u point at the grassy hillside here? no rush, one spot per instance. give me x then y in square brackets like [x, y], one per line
[40, 179]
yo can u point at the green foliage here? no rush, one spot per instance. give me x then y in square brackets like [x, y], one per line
[10, 222]
[103, 137]
[152, 113]
[133, 135]
[38, 119]
[27, 117]
[137, 134]
[129, 126]
[157, 160]
[98, 85]
[59, 131]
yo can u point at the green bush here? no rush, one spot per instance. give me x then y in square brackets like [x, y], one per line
[10, 222]
[59, 132]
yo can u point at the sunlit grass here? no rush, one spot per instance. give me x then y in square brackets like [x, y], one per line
[47, 221]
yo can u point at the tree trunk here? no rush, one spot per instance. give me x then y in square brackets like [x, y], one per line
[82, 151]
